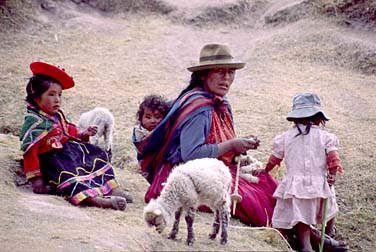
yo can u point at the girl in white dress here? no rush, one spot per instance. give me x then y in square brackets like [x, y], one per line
[309, 153]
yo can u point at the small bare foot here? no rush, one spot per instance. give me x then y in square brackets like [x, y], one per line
[114, 202]
[122, 193]
[118, 203]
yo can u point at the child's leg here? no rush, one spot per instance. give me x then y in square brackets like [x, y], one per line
[304, 236]
[290, 236]
[329, 243]
[330, 228]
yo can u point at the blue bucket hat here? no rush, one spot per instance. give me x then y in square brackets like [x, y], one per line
[305, 105]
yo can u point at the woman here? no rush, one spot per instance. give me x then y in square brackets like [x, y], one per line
[56, 156]
[199, 125]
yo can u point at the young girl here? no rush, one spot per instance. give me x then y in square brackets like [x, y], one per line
[309, 153]
[150, 113]
[56, 156]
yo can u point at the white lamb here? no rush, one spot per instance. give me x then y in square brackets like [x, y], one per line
[198, 182]
[104, 120]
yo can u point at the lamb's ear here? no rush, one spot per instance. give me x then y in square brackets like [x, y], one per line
[157, 212]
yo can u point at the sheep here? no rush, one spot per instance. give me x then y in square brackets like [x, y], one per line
[205, 181]
[104, 120]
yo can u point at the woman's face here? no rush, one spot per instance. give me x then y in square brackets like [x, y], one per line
[50, 100]
[219, 80]
[150, 119]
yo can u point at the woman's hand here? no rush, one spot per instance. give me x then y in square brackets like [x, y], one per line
[38, 186]
[254, 141]
[241, 145]
[238, 145]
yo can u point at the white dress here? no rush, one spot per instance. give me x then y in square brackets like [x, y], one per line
[300, 194]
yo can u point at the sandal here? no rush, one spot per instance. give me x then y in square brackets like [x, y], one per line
[332, 245]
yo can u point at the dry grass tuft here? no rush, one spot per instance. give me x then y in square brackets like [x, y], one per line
[14, 15]
[129, 6]
[240, 12]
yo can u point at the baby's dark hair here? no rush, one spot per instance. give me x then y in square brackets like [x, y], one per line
[154, 103]
[37, 85]
[316, 119]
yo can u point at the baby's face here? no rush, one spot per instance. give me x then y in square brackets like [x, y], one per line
[151, 119]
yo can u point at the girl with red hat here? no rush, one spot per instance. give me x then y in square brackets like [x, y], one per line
[58, 158]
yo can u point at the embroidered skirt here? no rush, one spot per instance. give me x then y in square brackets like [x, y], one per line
[78, 171]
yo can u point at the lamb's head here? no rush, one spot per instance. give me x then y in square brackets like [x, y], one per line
[153, 215]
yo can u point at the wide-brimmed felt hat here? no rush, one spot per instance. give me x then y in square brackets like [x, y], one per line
[305, 105]
[56, 72]
[216, 56]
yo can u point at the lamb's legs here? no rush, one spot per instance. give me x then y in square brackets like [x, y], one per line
[109, 154]
[189, 219]
[215, 228]
[94, 140]
[108, 138]
[108, 142]
[175, 228]
[224, 221]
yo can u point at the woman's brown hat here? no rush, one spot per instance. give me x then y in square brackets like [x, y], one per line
[216, 56]
[59, 74]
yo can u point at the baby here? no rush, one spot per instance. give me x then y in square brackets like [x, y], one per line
[151, 112]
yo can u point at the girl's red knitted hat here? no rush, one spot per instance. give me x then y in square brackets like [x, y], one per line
[59, 74]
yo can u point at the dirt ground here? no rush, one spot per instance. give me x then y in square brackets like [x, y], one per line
[119, 51]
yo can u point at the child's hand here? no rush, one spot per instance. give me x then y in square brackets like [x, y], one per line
[86, 134]
[38, 186]
[92, 130]
[331, 179]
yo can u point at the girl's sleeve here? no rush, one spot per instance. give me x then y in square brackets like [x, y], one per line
[331, 142]
[333, 160]
[72, 130]
[278, 149]
[31, 162]
[193, 137]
